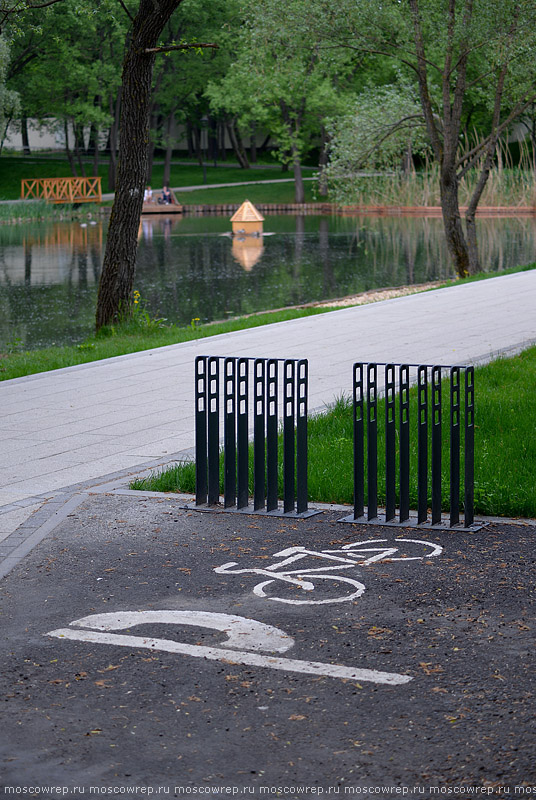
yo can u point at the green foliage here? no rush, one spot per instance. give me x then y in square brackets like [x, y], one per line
[66, 62]
[9, 99]
[366, 139]
[180, 77]
[281, 79]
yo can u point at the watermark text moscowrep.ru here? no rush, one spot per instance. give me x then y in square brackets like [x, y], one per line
[291, 791]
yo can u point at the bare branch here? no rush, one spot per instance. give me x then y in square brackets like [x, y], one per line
[19, 7]
[125, 9]
[473, 156]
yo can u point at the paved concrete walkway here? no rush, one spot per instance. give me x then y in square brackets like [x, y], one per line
[76, 425]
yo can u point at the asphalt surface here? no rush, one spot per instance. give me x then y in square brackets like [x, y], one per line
[110, 716]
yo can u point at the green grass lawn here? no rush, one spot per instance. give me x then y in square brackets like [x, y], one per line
[142, 333]
[505, 461]
[267, 193]
[14, 168]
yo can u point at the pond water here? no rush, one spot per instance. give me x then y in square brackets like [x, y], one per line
[190, 267]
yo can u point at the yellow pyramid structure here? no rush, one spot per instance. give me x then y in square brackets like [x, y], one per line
[247, 220]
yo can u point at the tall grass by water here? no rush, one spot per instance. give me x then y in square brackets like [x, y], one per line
[505, 464]
[38, 210]
[506, 187]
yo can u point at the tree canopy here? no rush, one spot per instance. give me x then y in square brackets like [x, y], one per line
[466, 59]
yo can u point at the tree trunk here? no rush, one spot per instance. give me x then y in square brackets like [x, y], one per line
[25, 136]
[68, 152]
[169, 152]
[117, 278]
[299, 189]
[456, 243]
[94, 147]
[253, 144]
[221, 136]
[238, 147]
[79, 147]
[190, 139]
[322, 164]
[213, 140]
[264, 146]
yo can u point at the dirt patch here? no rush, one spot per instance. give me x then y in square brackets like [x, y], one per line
[375, 295]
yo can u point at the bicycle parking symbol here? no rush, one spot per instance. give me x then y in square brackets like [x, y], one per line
[286, 585]
[250, 642]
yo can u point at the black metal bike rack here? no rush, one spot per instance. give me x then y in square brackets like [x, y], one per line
[396, 388]
[230, 394]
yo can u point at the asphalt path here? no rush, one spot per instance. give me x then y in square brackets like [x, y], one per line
[421, 684]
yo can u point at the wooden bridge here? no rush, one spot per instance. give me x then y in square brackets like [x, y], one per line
[62, 190]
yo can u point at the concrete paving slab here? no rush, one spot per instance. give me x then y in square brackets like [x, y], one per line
[129, 399]
[126, 677]
[11, 520]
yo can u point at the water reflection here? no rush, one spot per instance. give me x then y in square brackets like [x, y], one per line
[247, 250]
[191, 267]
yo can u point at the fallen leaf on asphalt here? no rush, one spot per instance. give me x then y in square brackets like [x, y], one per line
[428, 669]
[297, 717]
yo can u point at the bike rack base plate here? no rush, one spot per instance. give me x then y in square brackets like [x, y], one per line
[412, 523]
[250, 511]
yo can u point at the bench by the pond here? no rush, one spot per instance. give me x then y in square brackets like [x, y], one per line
[62, 190]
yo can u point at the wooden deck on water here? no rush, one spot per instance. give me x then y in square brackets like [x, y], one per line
[155, 208]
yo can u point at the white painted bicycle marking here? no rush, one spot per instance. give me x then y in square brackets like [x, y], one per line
[355, 554]
[256, 636]
[356, 591]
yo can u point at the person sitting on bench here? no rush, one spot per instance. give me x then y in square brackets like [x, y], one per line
[166, 198]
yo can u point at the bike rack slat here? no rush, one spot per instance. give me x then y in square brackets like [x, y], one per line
[213, 426]
[429, 433]
[422, 445]
[436, 445]
[302, 379]
[404, 442]
[262, 406]
[201, 482]
[390, 443]
[289, 405]
[259, 405]
[229, 492]
[271, 434]
[469, 488]
[359, 439]
[242, 443]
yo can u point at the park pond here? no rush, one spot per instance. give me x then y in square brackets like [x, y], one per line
[190, 268]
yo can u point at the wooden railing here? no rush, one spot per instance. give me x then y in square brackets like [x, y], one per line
[63, 190]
